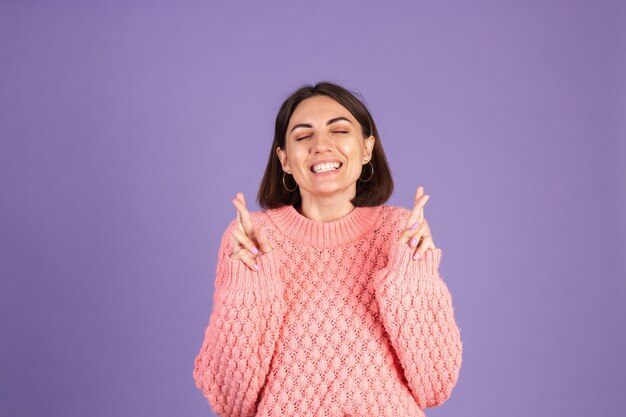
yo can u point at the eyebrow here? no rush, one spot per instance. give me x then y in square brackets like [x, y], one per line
[330, 122]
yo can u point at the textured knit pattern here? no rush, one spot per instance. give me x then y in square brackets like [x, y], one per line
[339, 321]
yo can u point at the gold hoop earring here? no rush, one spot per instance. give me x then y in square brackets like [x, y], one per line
[285, 185]
[371, 175]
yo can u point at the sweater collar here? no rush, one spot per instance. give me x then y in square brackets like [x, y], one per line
[324, 234]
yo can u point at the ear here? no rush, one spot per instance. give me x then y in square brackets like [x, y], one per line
[369, 147]
[282, 156]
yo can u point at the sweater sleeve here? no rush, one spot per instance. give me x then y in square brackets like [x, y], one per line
[416, 310]
[239, 341]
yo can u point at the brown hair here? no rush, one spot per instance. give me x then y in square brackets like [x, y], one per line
[376, 191]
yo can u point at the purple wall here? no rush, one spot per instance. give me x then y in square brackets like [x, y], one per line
[127, 127]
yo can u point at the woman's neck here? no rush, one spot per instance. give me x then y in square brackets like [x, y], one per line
[325, 210]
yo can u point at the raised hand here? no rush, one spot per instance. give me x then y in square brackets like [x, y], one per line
[416, 231]
[247, 238]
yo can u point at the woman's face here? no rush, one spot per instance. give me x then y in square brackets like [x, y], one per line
[321, 136]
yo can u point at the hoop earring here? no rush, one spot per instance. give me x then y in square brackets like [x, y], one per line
[285, 185]
[371, 175]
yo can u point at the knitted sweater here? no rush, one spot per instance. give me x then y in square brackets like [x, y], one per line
[339, 321]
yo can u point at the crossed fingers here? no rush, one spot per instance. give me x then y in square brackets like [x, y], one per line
[248, 240]
[416, 230]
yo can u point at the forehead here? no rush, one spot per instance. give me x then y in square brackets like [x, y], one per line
[318, 109]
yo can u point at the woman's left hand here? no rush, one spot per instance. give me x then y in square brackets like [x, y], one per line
[417, 232]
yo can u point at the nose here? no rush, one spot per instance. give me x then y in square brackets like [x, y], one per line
[322, 143]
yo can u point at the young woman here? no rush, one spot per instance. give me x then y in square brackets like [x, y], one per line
[328, 302]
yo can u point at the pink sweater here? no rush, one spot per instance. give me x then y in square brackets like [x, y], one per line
[339, 321]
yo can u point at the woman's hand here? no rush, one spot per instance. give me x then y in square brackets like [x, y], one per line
[417, 232]
[247, 238]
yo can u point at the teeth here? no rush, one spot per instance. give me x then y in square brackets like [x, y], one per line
[326, 167]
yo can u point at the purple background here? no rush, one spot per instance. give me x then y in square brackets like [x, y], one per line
[127, 127]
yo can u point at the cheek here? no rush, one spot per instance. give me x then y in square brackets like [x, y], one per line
[355, 151]
[297, 158]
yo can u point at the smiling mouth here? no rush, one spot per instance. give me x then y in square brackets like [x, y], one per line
[328, 167]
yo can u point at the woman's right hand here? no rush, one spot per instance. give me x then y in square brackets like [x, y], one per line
[248, 239]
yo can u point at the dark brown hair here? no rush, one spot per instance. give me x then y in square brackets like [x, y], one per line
[376, 191]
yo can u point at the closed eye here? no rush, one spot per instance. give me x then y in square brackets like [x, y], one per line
[337, 131]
